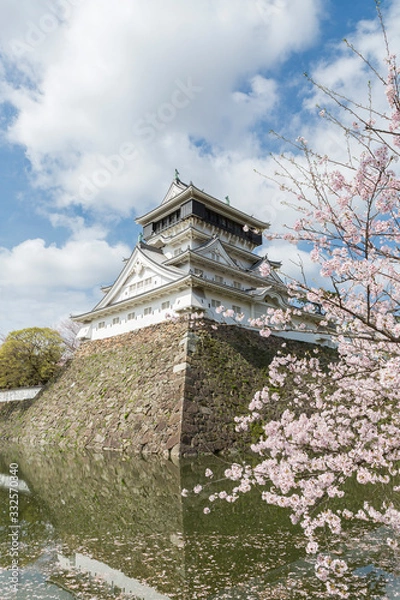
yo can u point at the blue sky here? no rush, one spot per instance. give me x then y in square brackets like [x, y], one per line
[100, 102]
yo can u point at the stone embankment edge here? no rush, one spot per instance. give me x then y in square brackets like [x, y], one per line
[171, 389]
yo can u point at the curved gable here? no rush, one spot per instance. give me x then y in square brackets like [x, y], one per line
[214, 250]
[139, 269]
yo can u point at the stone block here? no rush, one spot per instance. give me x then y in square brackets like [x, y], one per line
[163, 377]
[173, 441]
[183, 366]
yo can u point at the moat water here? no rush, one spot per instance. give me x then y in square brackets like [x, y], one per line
[103, 526]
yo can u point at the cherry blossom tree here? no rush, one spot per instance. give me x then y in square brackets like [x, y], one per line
[68, 330]
[340, 423]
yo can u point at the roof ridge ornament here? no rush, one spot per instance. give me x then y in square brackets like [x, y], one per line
[176, 176]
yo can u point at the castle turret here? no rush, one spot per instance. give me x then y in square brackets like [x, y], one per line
[196, 253]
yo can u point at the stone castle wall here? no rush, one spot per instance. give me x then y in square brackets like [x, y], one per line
[171, 389]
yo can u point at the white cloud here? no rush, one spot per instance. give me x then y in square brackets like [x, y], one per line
[111, 97]
[345, 71]
[41, 284]
[147, 75]
[79, 230]
[296, 264]
[77, 265]
[41, 309]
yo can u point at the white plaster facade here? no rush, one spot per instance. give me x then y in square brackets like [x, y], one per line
[196, 255]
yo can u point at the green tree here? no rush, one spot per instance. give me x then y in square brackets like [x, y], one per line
[30, 357]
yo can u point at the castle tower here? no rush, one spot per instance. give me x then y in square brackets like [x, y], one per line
[196, 254]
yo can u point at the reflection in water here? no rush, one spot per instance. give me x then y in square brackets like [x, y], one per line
[6, 482]
[116, 579]
[123, 518]
[33, 584]
[125, 513]
[128, 514]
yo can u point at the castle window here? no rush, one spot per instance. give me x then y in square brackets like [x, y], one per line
[115, 320]
[167, 221]
[101, 325]
[215, 303]
[131, 316]
[147, 282]
[236, 309]
[230, 225]
[148, 310]
[237, 285]
[219, 279]
[165, 305]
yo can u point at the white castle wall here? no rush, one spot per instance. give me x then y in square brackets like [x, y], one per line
[153, 312]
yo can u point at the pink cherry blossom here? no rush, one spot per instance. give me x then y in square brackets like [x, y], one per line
[324, 422]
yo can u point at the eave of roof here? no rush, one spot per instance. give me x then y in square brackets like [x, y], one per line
[193, 232]
[192, 192]
[130, 302]
[193, 256]
[189, 280]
